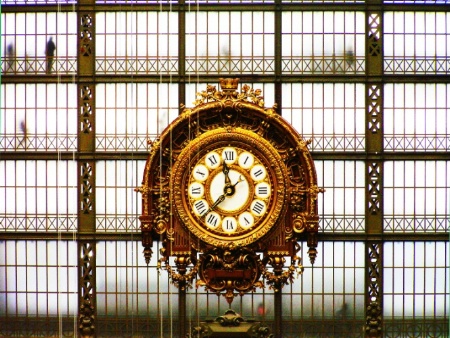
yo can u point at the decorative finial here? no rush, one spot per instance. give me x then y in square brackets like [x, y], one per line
[229, 84]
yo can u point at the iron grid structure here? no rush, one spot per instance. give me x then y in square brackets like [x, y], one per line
[365, 81]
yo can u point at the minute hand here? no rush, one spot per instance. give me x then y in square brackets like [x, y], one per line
[219, 200]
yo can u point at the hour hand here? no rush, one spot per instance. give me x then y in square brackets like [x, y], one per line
[226, 170]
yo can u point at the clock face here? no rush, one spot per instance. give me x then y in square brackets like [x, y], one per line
[229, 187]
[229, 190]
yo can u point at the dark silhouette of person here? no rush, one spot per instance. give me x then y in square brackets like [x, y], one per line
[10, 58]
[343, 326]
[343, 311]
[24, 130]
[50, 54]
[349, 57]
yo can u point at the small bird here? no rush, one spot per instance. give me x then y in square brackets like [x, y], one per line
[50, 54]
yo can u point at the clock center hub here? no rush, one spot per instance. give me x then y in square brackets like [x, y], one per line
[237, 192]
[229, 190]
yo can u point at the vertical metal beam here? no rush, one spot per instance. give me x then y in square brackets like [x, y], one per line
[86, 38]
[374, 169]
[86, 168]
[278, 51]
[374, 161]
[182, 262]
[182, 100]
[182, 52]
[277, 264]
[374, 289]
[278, 324]
[86, 116]
[87, 289]
[374, 40]
[182, 309]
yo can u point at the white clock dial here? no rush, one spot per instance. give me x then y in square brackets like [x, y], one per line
[200, 207]
[258, 207]
[262, 190]
[213, 220]
[258, 172]
[196, 190]
[229, 155]
[246, 160]
[229, 225]
[200, 173]
[212, 160]
[235, 201]
[230, 190]
[246, 220]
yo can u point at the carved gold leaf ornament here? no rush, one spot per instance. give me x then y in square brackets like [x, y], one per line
[299, 224]
[237, 119]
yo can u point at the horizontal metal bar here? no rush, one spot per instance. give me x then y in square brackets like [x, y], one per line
[135, 236]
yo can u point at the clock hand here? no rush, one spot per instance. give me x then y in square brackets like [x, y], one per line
[240, 180]
[219, 200]
[225, 171]
[228, 191]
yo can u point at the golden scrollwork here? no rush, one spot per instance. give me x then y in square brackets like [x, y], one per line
[230, 270]
[161, 216]
[182, 279]
[231, 321]
[298, 223]
[279, 277]
[143, 189]
[251, 95]
[228, 92]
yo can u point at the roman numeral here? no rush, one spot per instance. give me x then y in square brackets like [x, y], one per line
[200, 206]
[200, 173]
[212, 219]
[229, 225]
[195, 190]
[258, 172]
[258, 207]
[229, 155]
[213, 160]
[262, 191]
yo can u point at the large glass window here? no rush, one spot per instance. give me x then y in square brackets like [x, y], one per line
[88, 86]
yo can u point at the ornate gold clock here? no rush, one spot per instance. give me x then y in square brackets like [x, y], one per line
[229, 186]
[229, 189]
